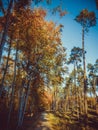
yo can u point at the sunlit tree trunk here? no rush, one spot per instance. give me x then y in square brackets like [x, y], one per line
[81, 94]
[23, 103]
[76, 94]
[84, 69]
[26, 98]
[95, 95]
[36, 96]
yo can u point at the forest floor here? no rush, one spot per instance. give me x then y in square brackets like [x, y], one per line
[60, 121]
[49, 120]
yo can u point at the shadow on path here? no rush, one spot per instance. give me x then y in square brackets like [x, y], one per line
[50, 121]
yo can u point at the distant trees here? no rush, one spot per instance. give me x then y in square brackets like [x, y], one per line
[92, 79]
[75, 57]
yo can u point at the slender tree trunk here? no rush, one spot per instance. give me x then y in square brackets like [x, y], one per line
[26, 99]
[35, 84]
[21, 107]
[95, 96]
[79, 100]
[55, 98]
[5, 70]
[94, 92]
[3, 39]
[84, 68]
[13, 86]
[76, 94]
[21, 103]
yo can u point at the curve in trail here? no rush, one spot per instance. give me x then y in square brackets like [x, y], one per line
[53, 121]
[50, 121]
[46, 121]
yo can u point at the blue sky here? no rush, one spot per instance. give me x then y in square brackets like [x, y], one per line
[71, 35]
[72, 31]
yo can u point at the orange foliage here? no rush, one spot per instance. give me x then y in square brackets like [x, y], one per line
[45, 98]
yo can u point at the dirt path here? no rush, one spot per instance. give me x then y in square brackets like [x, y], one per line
[46, 121]
[52, 121]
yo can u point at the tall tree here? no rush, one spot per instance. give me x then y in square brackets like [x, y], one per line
[86, 19]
